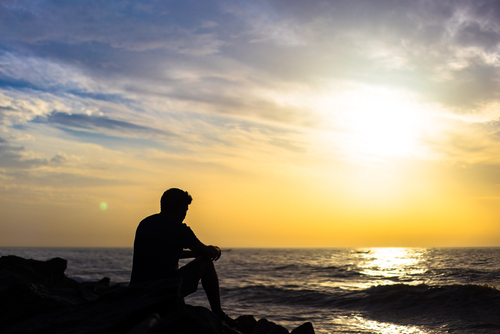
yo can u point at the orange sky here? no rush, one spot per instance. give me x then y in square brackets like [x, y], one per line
[333, 124]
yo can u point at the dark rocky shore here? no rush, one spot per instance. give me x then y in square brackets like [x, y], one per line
[36, 297]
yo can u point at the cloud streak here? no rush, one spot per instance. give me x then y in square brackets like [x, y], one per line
[92, 122]
[15, 157]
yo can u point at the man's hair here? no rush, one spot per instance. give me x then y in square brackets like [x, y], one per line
[174, 199]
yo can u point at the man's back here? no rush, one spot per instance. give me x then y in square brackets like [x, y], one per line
[158, 244]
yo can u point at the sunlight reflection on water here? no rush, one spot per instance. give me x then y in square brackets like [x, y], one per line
[358, 324]
[385, 328]
[392, 262]
[381, 266]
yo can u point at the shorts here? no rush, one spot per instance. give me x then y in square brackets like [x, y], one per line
[191, 275]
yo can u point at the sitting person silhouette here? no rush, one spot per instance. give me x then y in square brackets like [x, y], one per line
[162, 239]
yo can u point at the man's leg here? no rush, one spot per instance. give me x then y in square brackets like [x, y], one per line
[210, 283]
[204, 269]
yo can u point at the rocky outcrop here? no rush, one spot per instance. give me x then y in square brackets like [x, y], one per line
[36, 297]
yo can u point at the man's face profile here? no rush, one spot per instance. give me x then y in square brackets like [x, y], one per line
[183, 213]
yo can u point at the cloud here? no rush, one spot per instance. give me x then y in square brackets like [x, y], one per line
[59, 159]
[61, 180]
[217, 52]
[473, 34]
[116, 65]
[97, 123]
[467, 142]
[471, 86]
[15, 157]
[125, 25]
[89, 121]
[21, 71]
[415, 45]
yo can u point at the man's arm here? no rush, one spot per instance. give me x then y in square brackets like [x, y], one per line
[212, 252]
[187, 254]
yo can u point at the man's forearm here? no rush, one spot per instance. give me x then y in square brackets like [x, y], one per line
[202, 250]
[187, 254]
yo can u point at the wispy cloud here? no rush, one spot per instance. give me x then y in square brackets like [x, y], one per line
[16, 157]
[92, 122]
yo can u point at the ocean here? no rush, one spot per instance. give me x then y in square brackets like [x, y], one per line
[339, 290]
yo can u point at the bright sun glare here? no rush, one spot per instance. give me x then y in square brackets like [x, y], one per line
[376, 122]
[384, 129]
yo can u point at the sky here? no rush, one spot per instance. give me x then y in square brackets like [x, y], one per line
[291, 123]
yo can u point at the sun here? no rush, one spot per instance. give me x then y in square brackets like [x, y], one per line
[376, 122]
[383, 128]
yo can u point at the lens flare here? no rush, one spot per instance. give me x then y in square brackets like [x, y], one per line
[103, 206]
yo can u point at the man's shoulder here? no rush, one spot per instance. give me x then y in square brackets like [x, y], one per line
[155, 216]
[150, 219]
[158, 219]
[150, 222]
[159, 226]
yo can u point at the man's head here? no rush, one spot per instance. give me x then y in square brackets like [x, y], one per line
[174, 203]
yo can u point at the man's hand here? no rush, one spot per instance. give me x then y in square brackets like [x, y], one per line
[212, 252]
[219, 252]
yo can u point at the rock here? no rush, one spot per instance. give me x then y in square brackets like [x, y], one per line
[114, 312]
[30, 287]
[146, 325]
[100, 287]
[36, 297]
[305, 328]
[17, 270]
[246, 323]
[265, 326]
[194, 320]
[191, 320]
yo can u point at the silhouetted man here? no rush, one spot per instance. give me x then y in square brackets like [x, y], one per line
[161, 240]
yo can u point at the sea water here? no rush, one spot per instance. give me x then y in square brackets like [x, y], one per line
[370, 290]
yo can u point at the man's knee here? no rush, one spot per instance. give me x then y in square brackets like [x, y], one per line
[191, 274]
[205, 263]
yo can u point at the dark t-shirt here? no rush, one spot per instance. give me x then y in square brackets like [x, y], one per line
[159, 241]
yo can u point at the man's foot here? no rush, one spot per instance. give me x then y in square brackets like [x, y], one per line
[228, 320]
